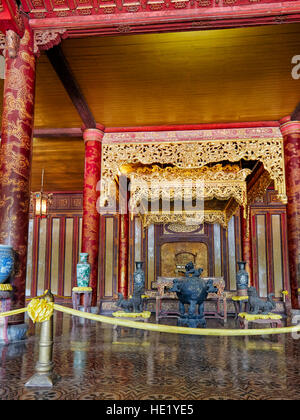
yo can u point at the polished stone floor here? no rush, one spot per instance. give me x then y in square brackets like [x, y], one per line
[93, 364]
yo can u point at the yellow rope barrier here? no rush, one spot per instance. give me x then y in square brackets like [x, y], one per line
[174, 329]
[40, 311]
[44, 294]
[14, 312]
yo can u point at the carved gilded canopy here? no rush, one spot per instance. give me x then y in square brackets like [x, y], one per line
[156, 193]
[173, 184]
[152, 165]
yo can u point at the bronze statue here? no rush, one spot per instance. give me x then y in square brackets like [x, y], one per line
[192, 291]
[135, 303]
[259, 306]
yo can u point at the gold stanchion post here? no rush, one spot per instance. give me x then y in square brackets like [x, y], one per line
[44, 376]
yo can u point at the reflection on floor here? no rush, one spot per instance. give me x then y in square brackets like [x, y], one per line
[93, 364]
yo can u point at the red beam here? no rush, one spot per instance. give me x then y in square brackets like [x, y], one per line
[76, 132]
[172, 20]
[183, 127]
[57, 132]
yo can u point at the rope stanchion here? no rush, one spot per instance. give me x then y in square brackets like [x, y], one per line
[43, 312]
[175, 329]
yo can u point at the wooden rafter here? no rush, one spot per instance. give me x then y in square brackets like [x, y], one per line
[65, 74]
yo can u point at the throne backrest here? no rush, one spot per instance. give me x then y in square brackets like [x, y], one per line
[184, 257]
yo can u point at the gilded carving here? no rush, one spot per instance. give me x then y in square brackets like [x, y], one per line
[12, 43]
[38, 3]
[204, 3]
[170, 183]
[45, 39]
[188, 218]
[193, 155]
[124, 29]
[181, 228]
[258, 191]
[2, 41]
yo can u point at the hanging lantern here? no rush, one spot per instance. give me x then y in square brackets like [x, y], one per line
[41, 201]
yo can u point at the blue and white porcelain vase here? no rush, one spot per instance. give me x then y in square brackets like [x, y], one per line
[242, 279]
[6, 262]
[83, 270]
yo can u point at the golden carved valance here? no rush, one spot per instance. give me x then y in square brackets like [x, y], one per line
[194, 155]
[188, 218]
[149, 184]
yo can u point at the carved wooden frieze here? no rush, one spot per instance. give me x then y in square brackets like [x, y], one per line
[61, 8]
[187, 154]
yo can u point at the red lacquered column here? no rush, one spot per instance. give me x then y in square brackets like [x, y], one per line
[91, 217]
[291, 137]
[123, 237]
[246, 244]
[15, 159]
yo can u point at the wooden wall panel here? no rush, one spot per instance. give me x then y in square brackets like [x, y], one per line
[269, 246]
[262, 255]
[55, 255]
[54, 247]
[109, 256]
[42, 257]
[231, 254]
[217, 251]
[69, 242]
[138, 239]
[277, 256]
[29, 258]
[151, 256]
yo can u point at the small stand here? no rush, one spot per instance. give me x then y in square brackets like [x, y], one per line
[5, 306]
[87, 298]
[274, 320]
[238, 302]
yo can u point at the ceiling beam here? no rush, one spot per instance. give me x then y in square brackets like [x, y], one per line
[57, 132]
[65, 74]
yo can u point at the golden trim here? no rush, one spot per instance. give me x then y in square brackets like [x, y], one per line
[206, 216]
[82, 289]
[254, 317]
[6, 288]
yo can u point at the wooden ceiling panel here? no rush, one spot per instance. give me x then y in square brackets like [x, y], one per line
[53, 107]
[185, 78]
[63, 161]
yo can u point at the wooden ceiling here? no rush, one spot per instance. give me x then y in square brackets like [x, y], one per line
[230, 75]
[178, 78]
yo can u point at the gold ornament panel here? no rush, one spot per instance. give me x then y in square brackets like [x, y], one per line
[193, 155]
[188, 218]
[168, 253]
[218, 182]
